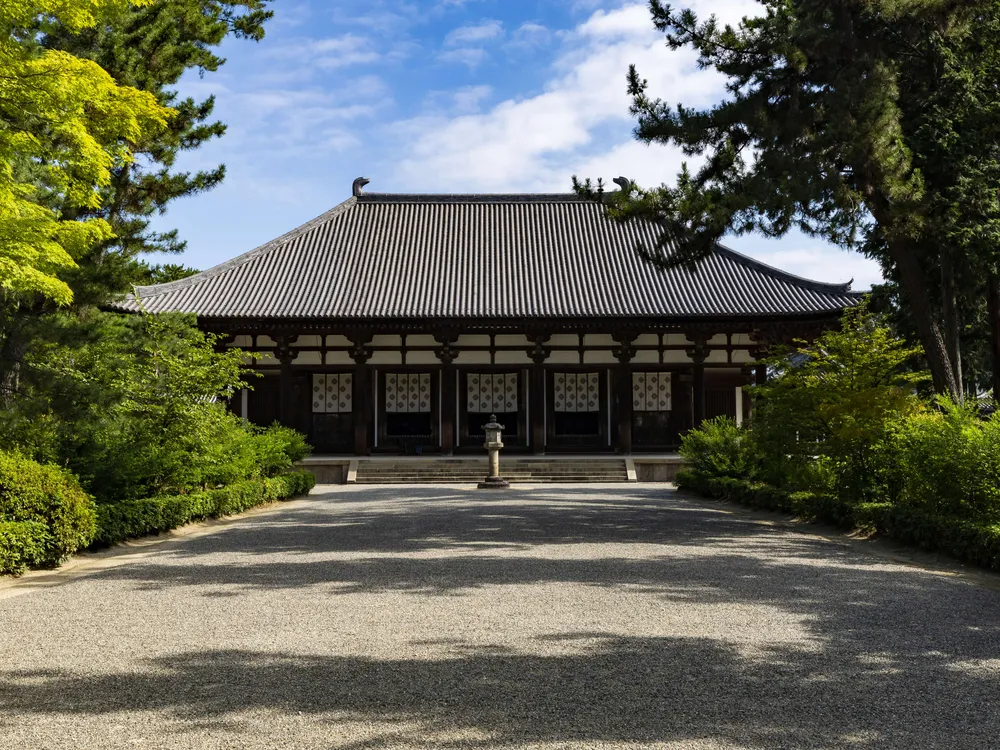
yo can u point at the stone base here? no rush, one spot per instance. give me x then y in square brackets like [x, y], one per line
[494, 483]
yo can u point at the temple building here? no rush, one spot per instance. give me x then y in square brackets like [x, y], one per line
[398, 323]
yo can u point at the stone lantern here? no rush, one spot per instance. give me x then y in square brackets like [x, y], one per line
[493, 444]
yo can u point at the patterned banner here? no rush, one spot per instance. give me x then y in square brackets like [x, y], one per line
[491, 394]
[577, 392]
[651, 391]
[332, 393]
[407, 393]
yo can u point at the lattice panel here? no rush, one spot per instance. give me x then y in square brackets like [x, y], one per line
[488, 393]
[407, 393]
[332, 393]
[651, 391]
[577, 392]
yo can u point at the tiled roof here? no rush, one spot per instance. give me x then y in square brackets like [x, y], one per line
[381, 256]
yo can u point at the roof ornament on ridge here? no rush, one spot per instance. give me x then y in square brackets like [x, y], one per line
[623, 182]
[358, 185]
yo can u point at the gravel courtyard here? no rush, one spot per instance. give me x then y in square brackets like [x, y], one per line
[560, 617]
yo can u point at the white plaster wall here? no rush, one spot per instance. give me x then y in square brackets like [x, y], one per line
[600, 357]
[421, 339]
[473, 358]
[512, 358]
[601, 339]
[422, 358]
[386, 358]
[308, 358]
[563, 358]
[511, 339]
[309, 341]
[676, 355]
[339, 358]
[646, 357]
[473, 339]
[387, 340]
[338, 341]
[648, 339]
[563, 339]
[266, 341]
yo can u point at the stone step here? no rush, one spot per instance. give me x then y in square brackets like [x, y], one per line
[465, 471]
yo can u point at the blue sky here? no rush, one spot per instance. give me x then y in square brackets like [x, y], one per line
[444, 95]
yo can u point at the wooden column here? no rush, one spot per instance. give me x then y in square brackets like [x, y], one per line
[760, 374]
[449, 419]
[698, 353]
[536, 393]
[285, 355]
[624, 355]
[364, 405]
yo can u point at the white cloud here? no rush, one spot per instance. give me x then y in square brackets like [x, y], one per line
[327, 54]
[469, 98]
[468, 56]
[482, 32]
[579, 124]
[541, 140]
[530, 34]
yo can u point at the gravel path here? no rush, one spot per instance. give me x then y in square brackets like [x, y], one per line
[564, 617]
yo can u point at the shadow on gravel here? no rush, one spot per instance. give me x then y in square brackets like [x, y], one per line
[896, 656]
[617, 689]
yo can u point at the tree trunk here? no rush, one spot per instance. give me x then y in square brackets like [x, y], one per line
[911, 281]
[993, 312]
[12, 350]
[952, 329]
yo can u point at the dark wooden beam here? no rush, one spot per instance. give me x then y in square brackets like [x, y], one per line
[536, 391]
[447, 353]
[284, 353]
[624, 353]
[364, 405]
[698, 353]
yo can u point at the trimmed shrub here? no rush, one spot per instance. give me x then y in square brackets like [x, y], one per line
[129, 519]
[23, 545]
[48, 495]
[721, 448]
[968, 540]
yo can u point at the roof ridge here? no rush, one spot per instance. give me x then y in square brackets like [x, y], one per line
[816, 286]
[209, 273]
[469, 198]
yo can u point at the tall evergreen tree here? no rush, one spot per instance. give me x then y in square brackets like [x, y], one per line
[831, 125]
[147, 45]
[150, 48]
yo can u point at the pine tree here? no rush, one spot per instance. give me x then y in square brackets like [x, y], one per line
[829, 125]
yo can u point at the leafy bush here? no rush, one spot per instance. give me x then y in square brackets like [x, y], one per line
[22, 545]
[135, 406]
[277, 448]
[949, 462]
[48, 495]
[128, 519]
[721, 448]
[825, 423]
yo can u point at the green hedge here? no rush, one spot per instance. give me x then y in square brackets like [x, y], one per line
[44, 495]
[129, 519]
[23, 545]
[967, 540]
